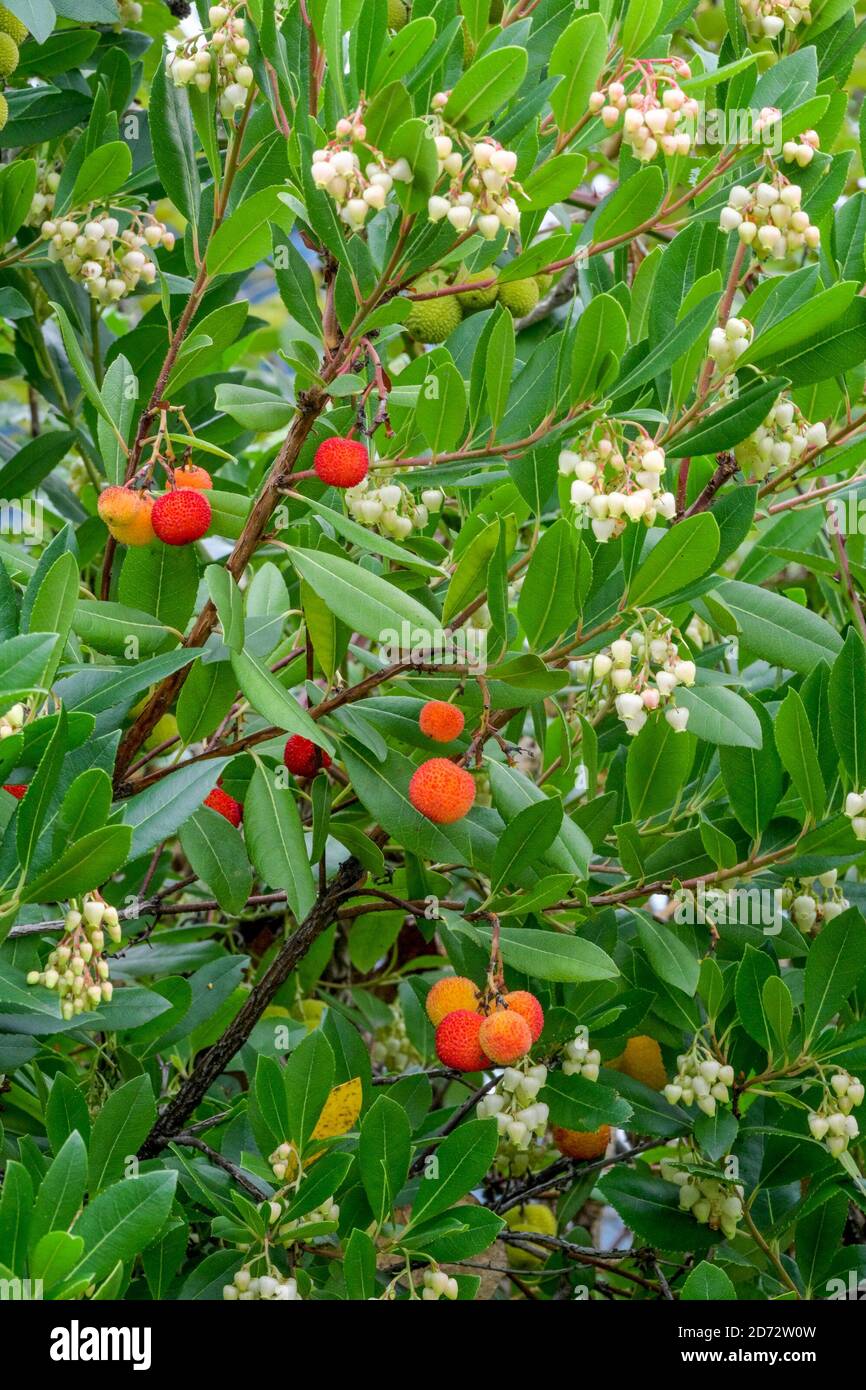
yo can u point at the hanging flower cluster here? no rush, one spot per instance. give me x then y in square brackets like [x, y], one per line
[581, 1059]
[12, 721]
[199, 60]
[782, 438]
[391, 1047]
[810, 911]
[45, 193]
[521, 1118]
[728, 344]
[642, 672]
[833, 1121]
[77, 968]
[655, 113]
[701, 1079]
[357, 191]
[274, 1287]
[711, 1201]
[769, 218]
[616, 481]
[855, 810]
[801, 151]
[765, 19]
[391, 508]
[480, 191]
[109, 262]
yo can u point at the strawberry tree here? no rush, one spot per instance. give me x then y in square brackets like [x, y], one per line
[432, 650]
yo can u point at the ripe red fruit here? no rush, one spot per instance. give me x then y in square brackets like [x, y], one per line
[14, 789]
[457, 1042]
[526, 1004]
[303, 758]
[441, 791]
[181, 516]
[505, 1036]
[448, 995]
[341, 462]
[226, 805]
[441, 721]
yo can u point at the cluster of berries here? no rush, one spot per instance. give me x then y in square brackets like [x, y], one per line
[650, 686]
[769, 218]
[855, 810]
[179, 517]
[833, 1121]
[614, 487]
[12, 35]
[520, 1118]
[782, 438]
[109, 262]
[391, 507]
[77, 968]
[655, 113]
[473, 1032]
[357, 192]
[765, 19]
[701, 1079]
[580, 1058]
[711, 1201]
[480, 194]
[433, 320]
[437, 1284]
[275, 1287]
[44, 196]
[808, 911]
[197, 60]
[12, 721]
[728, 344]
[392, 1048]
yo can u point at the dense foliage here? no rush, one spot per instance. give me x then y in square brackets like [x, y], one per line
[432, 661]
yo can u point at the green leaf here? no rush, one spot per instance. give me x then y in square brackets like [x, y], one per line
[546, 605]
[174, 143]
[275, 840]
[441, 409]
[83, 866]
[576, 1103]
[122, 1220]
[753, 776]
[274, 702]
[783, 632]
[526, 838]
[547, 955]
[463, 1159]
[578, 57]
[103, 171]
[778, 1009]
[228, 602]
[720, 715]
[671, 960]
[799, 755]
[835, 964]
[489, 84]
[729, 425]
[365, 602]
[120, 1128]
[217, 856]
[630, 205]
[161, 579]
[244, 238]
[602, 333]
[683, 554]
[650, 1208]
[707, 1283]
[847, 694]
[753, 972]
[309, 1076]
[384, 1151]
[657, 765]
[61, 1192]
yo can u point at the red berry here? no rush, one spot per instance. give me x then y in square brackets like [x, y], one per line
[441, 721]
[442, 791]
[181, 516]
[505, 1036]
[303, 758]
[226, 805]
[341, 462]
[457, 1042]
[14, 789]
[526, 1004]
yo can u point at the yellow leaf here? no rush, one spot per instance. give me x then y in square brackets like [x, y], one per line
[340, 1111]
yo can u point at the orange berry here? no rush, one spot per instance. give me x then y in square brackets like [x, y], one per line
[457, 1042]
[441, 721]
[192, 476]
[127, 514]
[642, 1060]
[505, 1036]
[182, 516]
[581, 1143]
[448, 995]
[341, 462]
[441, 791]
[526, 1004]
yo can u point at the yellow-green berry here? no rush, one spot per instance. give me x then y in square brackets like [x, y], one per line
[519, 296]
